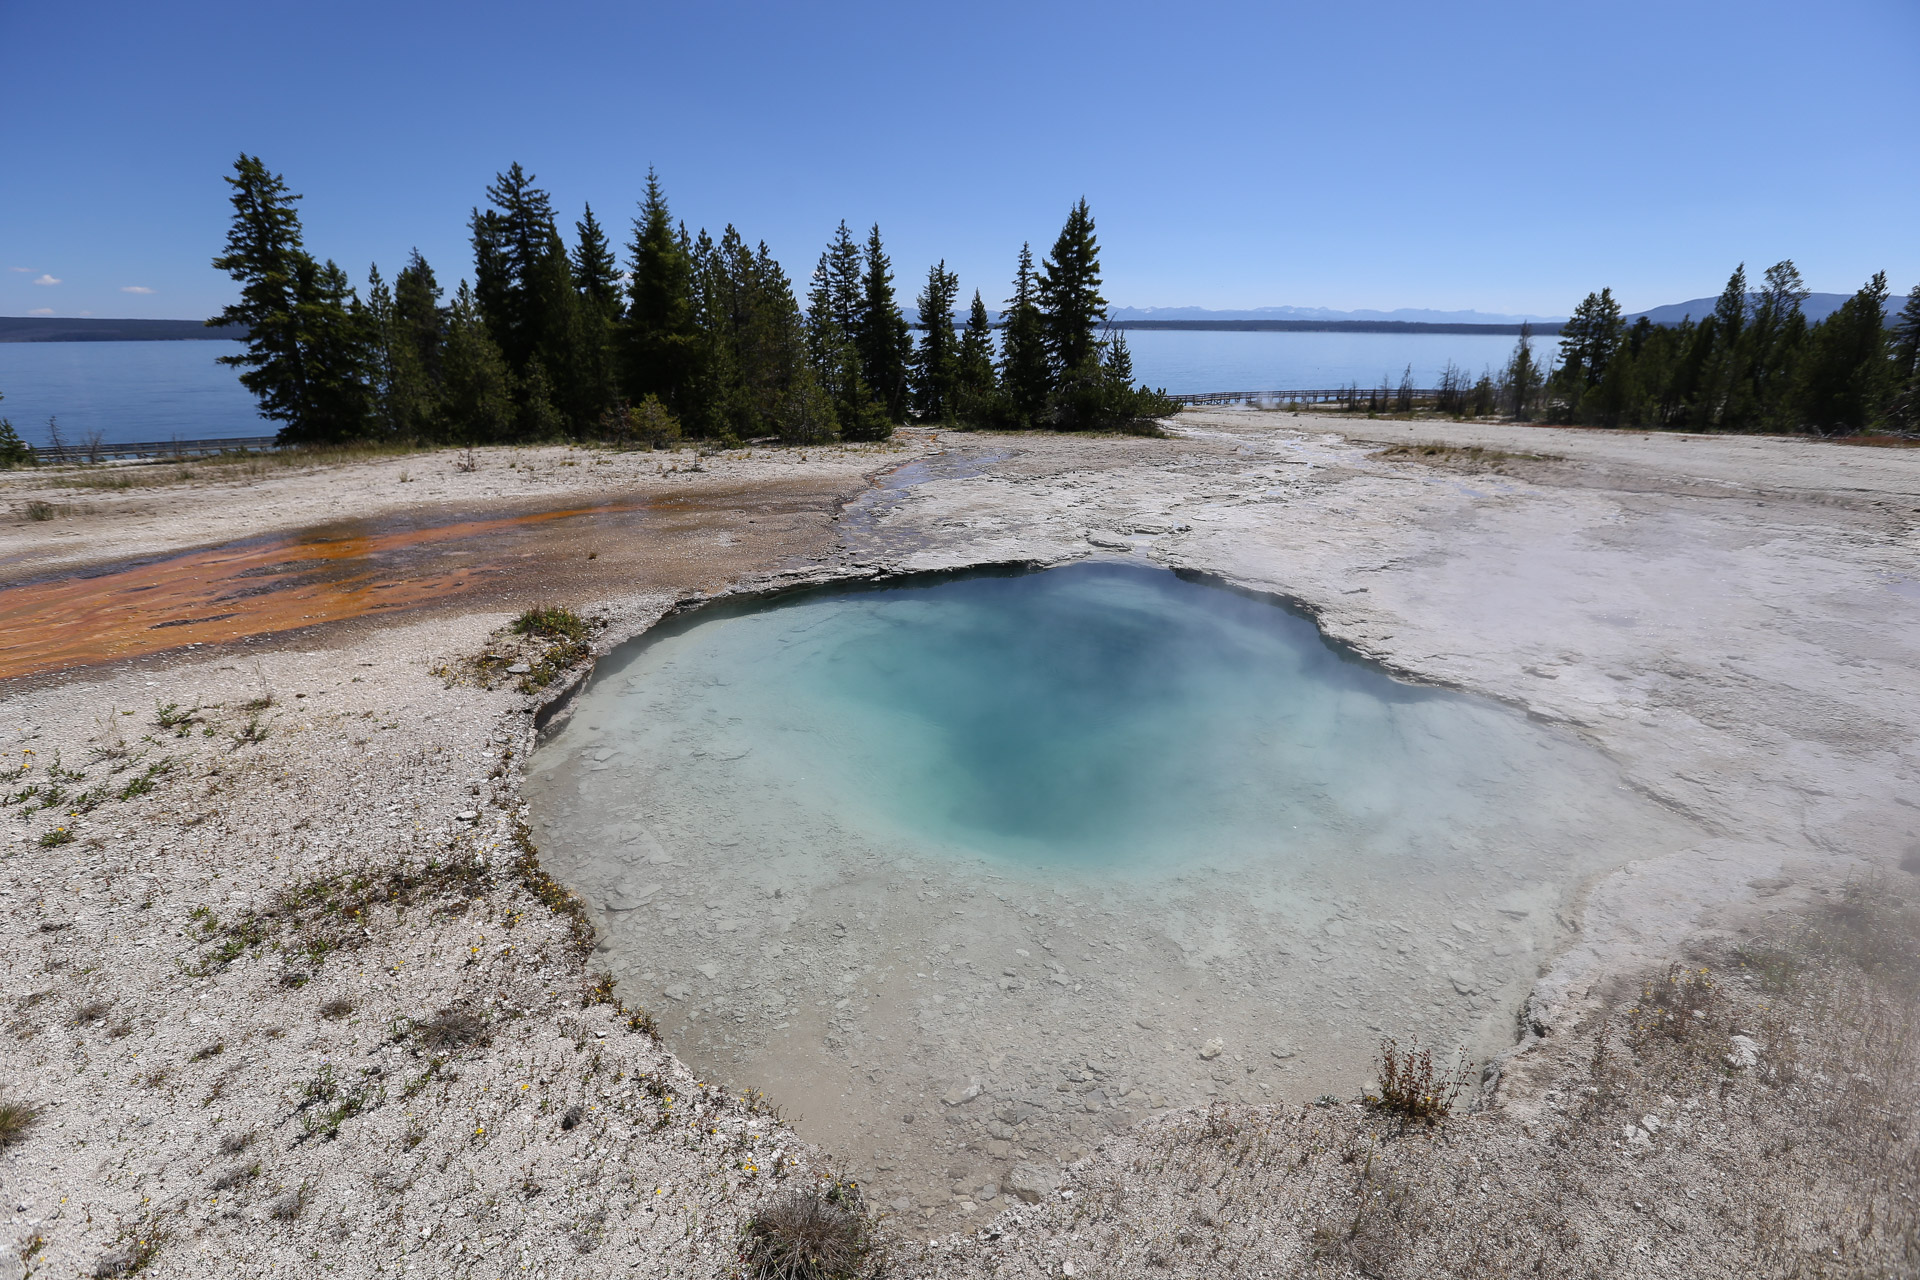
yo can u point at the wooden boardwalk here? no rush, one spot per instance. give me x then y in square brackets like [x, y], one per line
[100, 451]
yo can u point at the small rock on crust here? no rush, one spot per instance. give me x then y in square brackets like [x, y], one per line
[1746, 1052]
[1212, 1049]
[1031, 1182]
[961, 1093]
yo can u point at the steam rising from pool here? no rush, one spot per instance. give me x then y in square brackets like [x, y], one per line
[869, 848]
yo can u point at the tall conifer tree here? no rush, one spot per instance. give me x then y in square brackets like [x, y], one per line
[597, 277]
[936, 363]
[886, 344]
[1845, 385]
[1024, 377]
[420, 327]
[833, 320]
[1071, 307]
[661, 340]
[308, 338]
[976, 388]
[1904, 413]
[476, 405]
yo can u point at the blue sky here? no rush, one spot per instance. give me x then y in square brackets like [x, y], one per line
[1503, 157]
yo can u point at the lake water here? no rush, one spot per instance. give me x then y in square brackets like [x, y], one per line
[167, 390]
[126, 391]
[972, 871]
[1185, 361]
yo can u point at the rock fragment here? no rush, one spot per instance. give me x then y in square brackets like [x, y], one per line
[1031, 1183]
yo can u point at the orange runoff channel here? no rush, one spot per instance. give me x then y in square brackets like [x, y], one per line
[216, 595]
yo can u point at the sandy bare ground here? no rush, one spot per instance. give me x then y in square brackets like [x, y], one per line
[296, 998]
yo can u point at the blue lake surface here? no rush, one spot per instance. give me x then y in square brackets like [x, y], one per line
[167, 390]
[126, 391]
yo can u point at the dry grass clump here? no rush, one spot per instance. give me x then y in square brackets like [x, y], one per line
[452, 1028]
[16, 1119]
[816, 1233]
[1412, 1089]
[1469, 456]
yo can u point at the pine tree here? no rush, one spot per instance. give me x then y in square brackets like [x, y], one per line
[660, 339]
[418, 351]
[1520, 381]
[1588, 342]
[1845, 385]
[338, 336]
[885, 342]
[14, 452]
[714, 390]
[558, 324]
[509, 241]
[307, 351]
[477, 405]
[1723, 388]
[936, 363]
[1773, 344]
[1024, 377]
[384, 352]
[1071, 307]
[833, 317]
[1904, 410]
[597, 277]
[976, 389]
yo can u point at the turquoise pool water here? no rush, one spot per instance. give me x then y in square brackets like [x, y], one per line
[1088, 842]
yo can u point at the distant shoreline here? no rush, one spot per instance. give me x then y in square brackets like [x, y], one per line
[1330, 326]
[89, 329]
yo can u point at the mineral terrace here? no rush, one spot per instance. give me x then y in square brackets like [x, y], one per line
[290, 989]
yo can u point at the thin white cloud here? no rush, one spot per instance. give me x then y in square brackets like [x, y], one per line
[24, 270]
[134, 288]
[43, 278]
[41, 311]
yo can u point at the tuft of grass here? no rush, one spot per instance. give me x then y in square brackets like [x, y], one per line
[38, 510]
[91, 1012]
[172, 717]
[55, 838]
[255, 730]
[287, 1207]
[551, 622]
[1469, 455]
[206, 1051]
[1412, 1088]
[236, 1176]
[336, 1008]
[454, 1027]
[16, 1120]
[817, 1233]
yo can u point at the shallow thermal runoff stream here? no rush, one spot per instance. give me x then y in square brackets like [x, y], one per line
[967, 872]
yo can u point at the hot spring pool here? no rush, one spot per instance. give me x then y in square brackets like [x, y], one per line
[971, 871]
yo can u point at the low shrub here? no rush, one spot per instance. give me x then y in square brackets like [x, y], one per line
[820, 1233]
[1412, 1088]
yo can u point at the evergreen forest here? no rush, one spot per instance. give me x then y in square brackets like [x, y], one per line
[1754, 364]
[691, 336]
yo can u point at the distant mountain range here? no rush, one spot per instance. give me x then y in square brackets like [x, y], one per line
[1818, 306]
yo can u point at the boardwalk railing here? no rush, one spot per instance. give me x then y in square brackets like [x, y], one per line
[101, 451]
[1320, 395]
